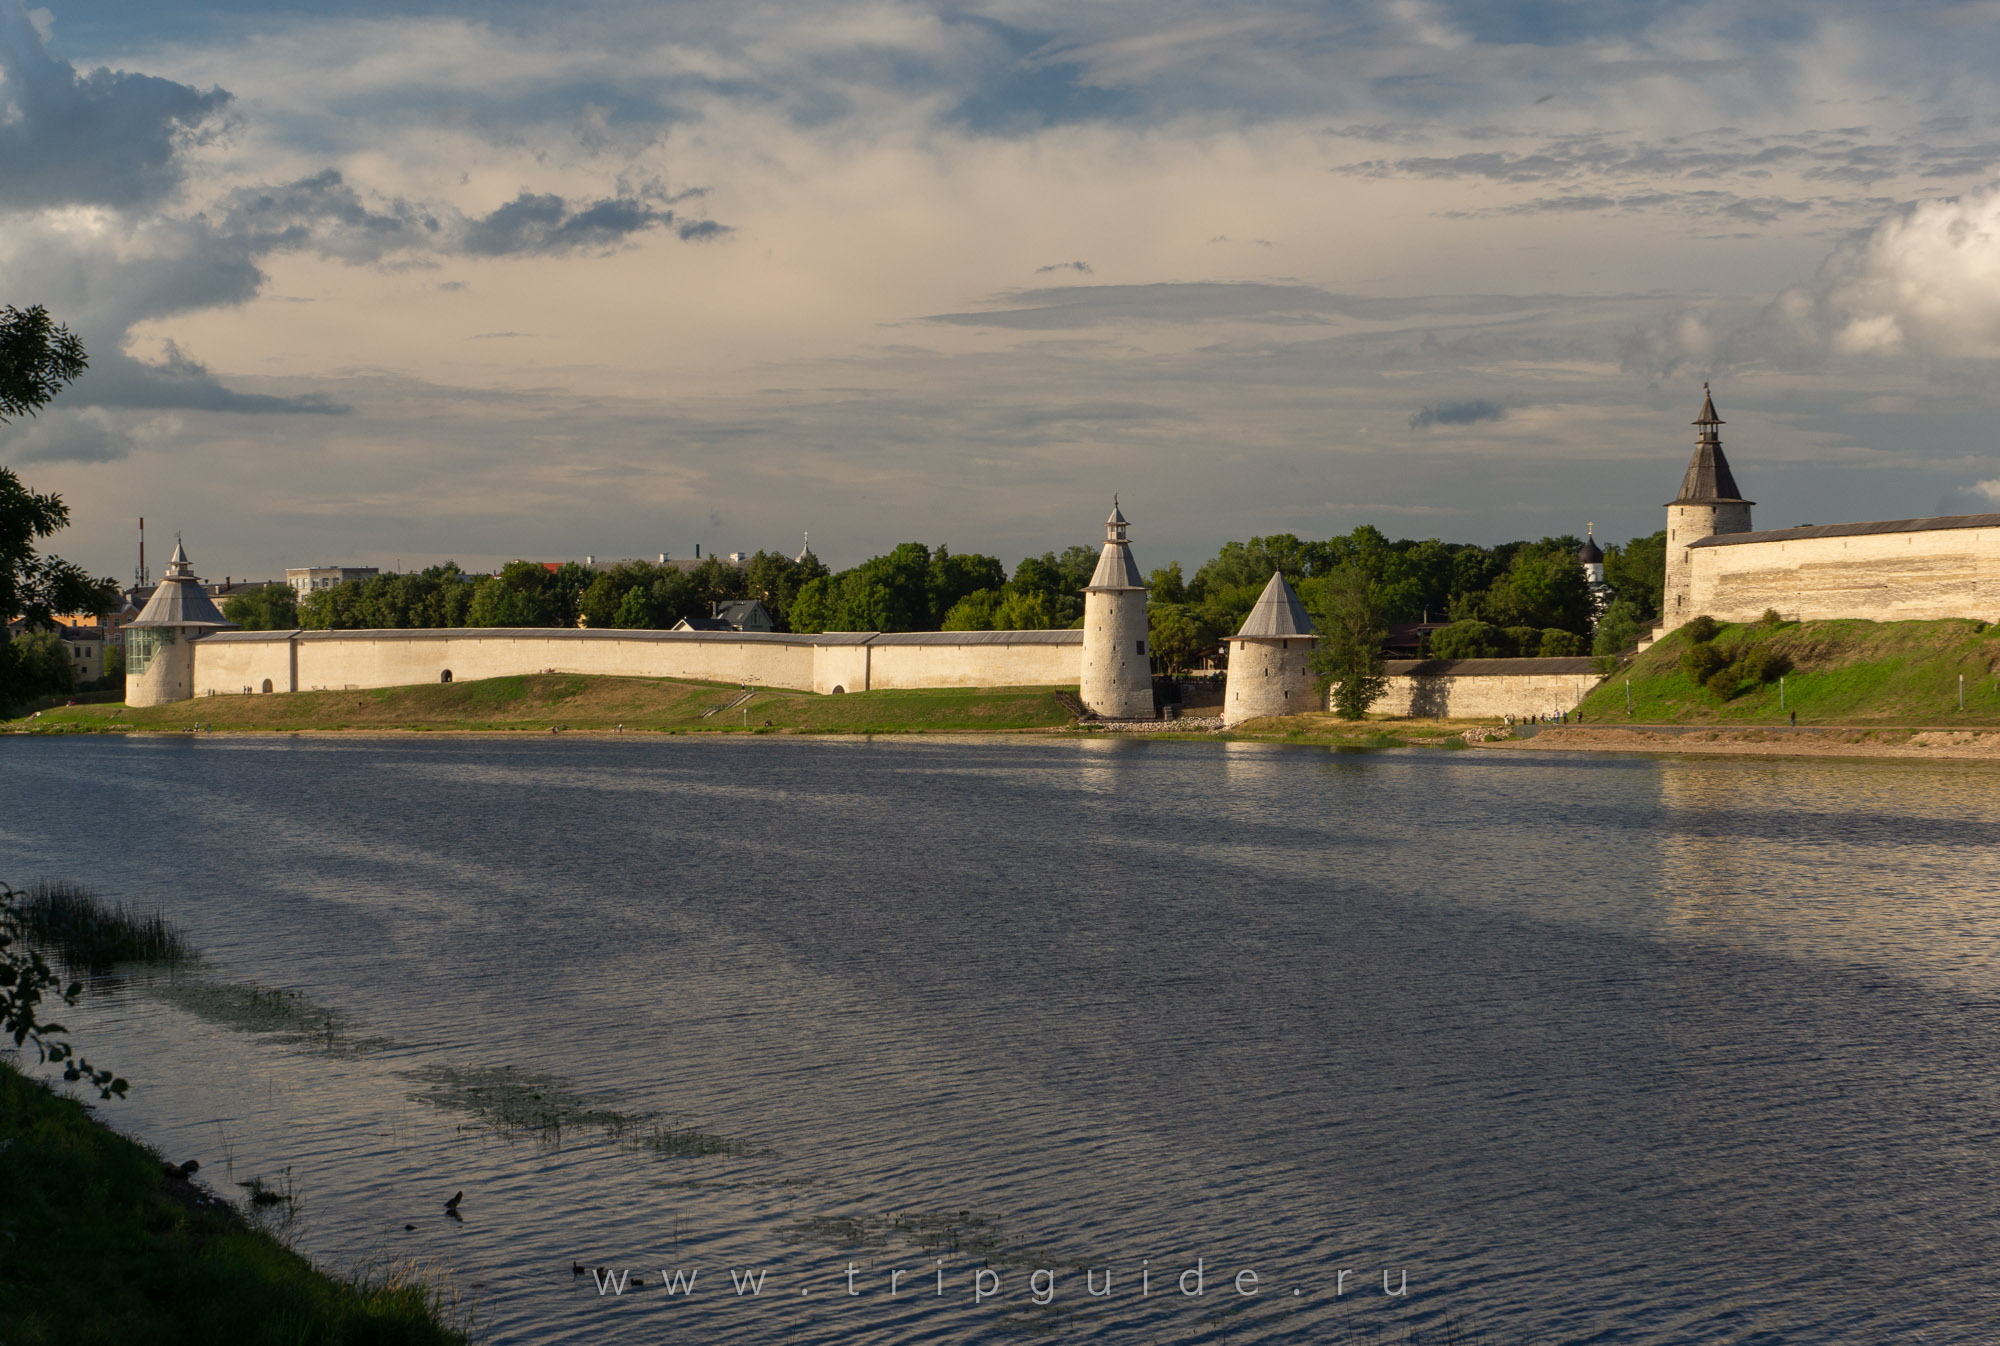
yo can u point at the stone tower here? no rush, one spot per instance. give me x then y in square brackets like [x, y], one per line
[159, 642]
[1708, 504]
[1117, 673]
[1268, 657]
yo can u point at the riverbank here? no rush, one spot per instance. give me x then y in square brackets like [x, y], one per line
[105, 1248]
[538, 703]
[1935, 743]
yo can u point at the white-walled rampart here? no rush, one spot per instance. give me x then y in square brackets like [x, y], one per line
[281, 661]
[1902, 570]
[1471, 689]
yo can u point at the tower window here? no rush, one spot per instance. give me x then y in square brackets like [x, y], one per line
[1142, 647]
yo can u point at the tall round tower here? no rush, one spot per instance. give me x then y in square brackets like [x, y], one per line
[1269, 659]
[1117, 673]
[159, 642]
[1708, 504]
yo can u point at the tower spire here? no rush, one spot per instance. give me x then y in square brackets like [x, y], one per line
[1708, 479]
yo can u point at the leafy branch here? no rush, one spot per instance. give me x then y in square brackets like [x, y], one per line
[26, 981]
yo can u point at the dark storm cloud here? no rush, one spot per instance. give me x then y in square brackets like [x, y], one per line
[104, 138]
[1457, 411]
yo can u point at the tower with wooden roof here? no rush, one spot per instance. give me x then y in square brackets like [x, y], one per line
[1269, 659]
[159, 642]
[1117, 681]
[1708, 504]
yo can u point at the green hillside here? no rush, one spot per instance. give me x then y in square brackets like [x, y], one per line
[1837, 672]
[575, 701]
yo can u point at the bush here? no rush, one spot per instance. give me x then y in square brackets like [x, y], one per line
[1523, 641]
[1724, 683]
[1469, 640]
[1702, 629]
[1702, 661]
[1771, 617]
[1762, 666]
[1560, 644]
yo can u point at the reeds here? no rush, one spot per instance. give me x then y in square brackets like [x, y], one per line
[91, 935]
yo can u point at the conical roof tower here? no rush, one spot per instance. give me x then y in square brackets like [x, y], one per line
[1708, 480]
[1278, 613]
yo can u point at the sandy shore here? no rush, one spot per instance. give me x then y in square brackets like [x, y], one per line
[1946, 744]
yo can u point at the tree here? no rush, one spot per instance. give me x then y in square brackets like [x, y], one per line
[42, 665]
[974, 612]
[275, 607]
[1638, 571]
[37, 358]
[1619, 629]
[1469, 640]
[1176, 636]
[1348, 657]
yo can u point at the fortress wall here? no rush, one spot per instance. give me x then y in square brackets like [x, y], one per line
[1917, 576]
[228, 662]
[982, 664]
[1477, 689]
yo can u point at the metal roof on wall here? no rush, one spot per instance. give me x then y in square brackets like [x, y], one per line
[1936, 525]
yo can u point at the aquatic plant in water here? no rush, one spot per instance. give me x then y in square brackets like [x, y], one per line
[269, 1011]
[524, 1102]
[91, 935]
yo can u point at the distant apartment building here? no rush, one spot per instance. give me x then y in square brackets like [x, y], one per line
[305, 579]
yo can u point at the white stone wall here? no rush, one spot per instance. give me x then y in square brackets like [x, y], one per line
[1688, 524]
[1483, 694]
[1883, 577]
[1268, 677]
[1117, 672]
[332, 660]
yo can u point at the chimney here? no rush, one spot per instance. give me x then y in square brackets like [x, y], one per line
[697, 551]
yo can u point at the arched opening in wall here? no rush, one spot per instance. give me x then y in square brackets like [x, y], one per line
[838, 689]
[445, 676]
[267, 684]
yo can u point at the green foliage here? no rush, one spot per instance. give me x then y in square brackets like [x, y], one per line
[1702, 660]
[1560, 644]
[110, 1251]
[1165, 584]
[1177, 635]
[1347, 661]
[1620, 628]
[38, 664]
[37, 358]
[33, 586]
[1523, 641]
[436, 597]
[1638, 572]
[1469, 640]
[974, 612]
[275, 607]
[1702, 628]
[26, 981]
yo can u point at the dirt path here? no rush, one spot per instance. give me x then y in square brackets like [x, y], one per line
[1943, 744]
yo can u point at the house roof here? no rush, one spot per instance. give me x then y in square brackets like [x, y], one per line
[1852, 529]
[1278, 613]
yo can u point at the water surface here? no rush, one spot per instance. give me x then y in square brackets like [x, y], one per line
[1587, 1048]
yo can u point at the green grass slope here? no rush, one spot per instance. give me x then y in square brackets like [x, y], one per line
[102, 1249]
[540, 702]
[1840, 672]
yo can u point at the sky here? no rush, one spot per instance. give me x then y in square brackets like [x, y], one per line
[386, 285]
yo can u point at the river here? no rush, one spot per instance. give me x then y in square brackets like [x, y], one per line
[1590, 1048]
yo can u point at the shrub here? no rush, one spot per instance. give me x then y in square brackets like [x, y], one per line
[1724, 683]
[1557, 643]
[1702, 661]
[1771, 617]
[1524, 641]
[1468, 640]
[1702, 629]
[1762, 666]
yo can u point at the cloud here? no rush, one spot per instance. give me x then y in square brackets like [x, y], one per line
[82, 435]
[1982, 497]
[1081, 268]
[1457, 411]
[1924, 281]
[107, 138]
[1209, 301]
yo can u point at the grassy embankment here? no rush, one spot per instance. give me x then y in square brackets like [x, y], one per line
[101, 1246]
[540, 702]
[103, 1242]
[1837, 673]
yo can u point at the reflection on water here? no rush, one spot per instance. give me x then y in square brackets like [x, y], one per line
[1594, 1049]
